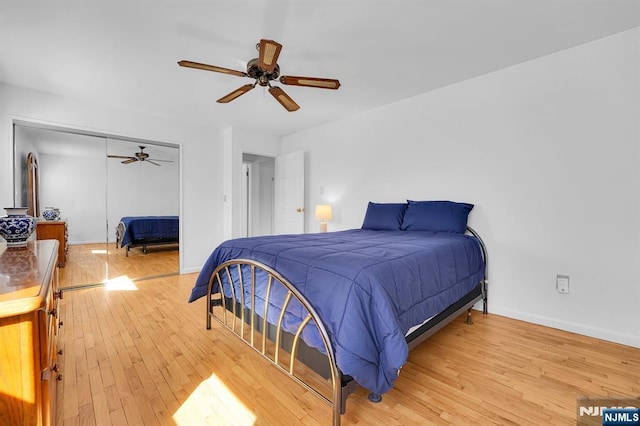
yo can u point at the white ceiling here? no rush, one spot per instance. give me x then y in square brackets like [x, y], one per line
[124, 53]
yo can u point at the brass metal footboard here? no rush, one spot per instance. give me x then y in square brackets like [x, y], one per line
[245, 321]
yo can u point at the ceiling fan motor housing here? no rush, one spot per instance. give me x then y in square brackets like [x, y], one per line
[141, 155]
[263, 77]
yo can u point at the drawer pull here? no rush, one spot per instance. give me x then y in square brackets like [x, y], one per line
[46, 373]
[53, 313]
[60, 324]
[58, 294]
[59, 378]
[60, 352]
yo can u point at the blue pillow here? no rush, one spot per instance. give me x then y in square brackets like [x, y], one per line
[384, 216]
[436, 216]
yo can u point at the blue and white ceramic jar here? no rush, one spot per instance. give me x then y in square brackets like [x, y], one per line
[17, 226]
[51, 213]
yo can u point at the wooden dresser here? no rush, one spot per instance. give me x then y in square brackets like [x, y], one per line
[29, 327]
[54, 230]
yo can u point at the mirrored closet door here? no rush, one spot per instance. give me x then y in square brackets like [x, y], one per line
[79, 175]
[142, 209]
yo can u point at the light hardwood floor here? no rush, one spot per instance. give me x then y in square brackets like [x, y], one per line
[93, 263]
[143, 357]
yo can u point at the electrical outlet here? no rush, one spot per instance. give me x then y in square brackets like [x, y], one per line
[562, 283]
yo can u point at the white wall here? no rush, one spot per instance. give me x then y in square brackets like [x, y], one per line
[549, 152]
[76, 186]
[201, 159]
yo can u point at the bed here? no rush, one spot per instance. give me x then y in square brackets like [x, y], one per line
[144, 231]
[349, 304]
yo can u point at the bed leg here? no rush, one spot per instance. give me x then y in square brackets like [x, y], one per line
[375, 397]
[127, 252]
[346, 388]
[468, 320]
[485, 301]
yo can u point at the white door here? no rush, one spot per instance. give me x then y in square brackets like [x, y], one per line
[289, 193]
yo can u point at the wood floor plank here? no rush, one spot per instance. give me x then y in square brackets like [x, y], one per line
[144, 357]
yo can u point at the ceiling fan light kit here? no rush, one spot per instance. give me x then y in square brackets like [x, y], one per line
[264, 69]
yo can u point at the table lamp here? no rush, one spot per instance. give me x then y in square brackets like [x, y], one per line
[323, 213]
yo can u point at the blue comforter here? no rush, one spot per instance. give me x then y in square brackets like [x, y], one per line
[369, 287]
[150, 228]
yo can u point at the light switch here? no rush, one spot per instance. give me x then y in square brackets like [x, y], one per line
[562, 283]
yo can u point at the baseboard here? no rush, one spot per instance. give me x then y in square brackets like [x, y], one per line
[598, 333]
[78, 243]
[190, 270]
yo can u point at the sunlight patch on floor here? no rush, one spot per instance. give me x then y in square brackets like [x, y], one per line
[212, 403]
[122, 283]
[99, 251]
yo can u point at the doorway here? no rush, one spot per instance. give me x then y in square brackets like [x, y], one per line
[258, 177]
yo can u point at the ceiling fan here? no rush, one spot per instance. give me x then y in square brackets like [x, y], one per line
[139, 156]
[264, 69]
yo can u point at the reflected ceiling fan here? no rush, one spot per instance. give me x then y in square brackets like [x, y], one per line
[139, 156]
[264, 69]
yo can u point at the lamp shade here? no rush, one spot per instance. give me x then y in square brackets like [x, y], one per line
[323, 212]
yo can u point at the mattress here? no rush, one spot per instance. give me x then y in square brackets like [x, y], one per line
[140, 229]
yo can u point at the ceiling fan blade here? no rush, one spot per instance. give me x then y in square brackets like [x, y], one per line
[197, 65]
[236, 93]
[157, 159]
[130, 160]
[149, 161]
[121, 156]
[323, 83]
[284, 99]
[269, 51]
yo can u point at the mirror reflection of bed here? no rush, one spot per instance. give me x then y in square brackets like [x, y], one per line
[93, 192]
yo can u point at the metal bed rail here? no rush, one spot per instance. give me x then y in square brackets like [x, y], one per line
[485, 281]
[229, 279]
